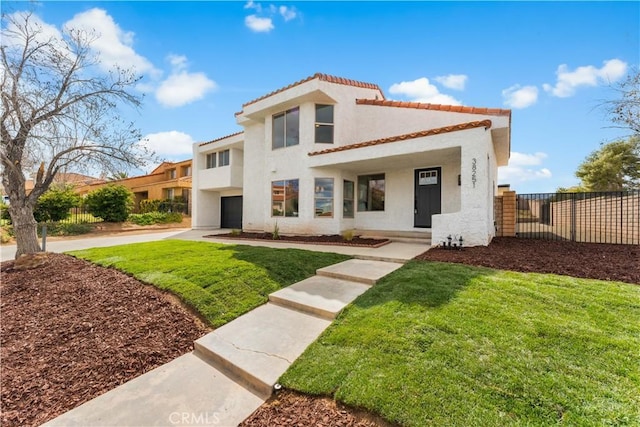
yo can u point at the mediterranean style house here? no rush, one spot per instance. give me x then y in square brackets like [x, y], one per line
[328, 154]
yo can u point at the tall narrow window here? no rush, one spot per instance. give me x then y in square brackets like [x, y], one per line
[284, 197]
[371, 192]
[211, 160]
[347, 199]
[324, 124]
[286, 129]
[324, 197]
[223, 158]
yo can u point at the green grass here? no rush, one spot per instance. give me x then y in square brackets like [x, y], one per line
[221, 282]
[452, 345]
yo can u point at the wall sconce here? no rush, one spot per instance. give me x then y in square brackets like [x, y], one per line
[459, 180]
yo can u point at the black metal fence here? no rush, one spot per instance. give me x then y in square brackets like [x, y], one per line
[598, 217]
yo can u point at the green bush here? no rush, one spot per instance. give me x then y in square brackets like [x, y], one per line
[151, 218]
[112, 203]
[65, 229]
[55, 203]
[4, 213]
[166, 205]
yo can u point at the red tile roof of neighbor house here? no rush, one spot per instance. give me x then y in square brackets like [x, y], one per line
[221, 138]
[322, 77]
[438, 107]
[462, 126]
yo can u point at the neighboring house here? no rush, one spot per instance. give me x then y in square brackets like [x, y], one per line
[328, 154]
[61, 178]
[168, 181]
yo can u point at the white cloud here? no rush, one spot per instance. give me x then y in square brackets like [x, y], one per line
[170, 145]
[521, 168]
[588, 75]
[259, 25]
[114, 45]
[453, 81]
[182, 87]
[42, 31]
[252, 5]
[288, 13]
[518, 96]
[421, 90]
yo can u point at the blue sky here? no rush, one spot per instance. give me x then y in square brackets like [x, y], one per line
[552, 63]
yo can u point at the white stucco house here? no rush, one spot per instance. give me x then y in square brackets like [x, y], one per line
[328, 154]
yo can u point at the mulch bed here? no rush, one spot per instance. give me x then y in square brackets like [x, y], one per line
[288, 408]
[585, 260]
[72, 330]
[327, 239]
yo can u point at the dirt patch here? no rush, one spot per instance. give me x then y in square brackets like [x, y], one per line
[288, 408]
[72, 331]
[328, 239]
[585, 260]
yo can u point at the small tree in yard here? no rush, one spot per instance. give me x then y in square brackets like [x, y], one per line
[112, 203]
[60, 111]
[614, 167]
[55, 203]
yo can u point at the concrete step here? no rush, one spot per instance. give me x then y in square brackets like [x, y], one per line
[255, 349]
[419, 237]
[319, 295]
[185, 391]
[365, 271]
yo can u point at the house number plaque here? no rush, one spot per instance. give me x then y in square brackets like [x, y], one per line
[474, 169]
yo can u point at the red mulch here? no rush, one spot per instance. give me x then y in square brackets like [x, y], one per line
[72, 330]
[326, 239]
[288, 408]
[585, 260]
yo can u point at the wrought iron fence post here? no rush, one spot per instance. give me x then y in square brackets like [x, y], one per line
[573, 217]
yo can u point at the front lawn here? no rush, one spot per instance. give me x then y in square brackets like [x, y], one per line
[221, 282]
[448, 344]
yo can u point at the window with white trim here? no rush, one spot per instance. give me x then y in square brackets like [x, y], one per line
[284, 197]
[223, 158]
[323, 197]
[211, 160]
[347, 199]
[371, 193]
[285, 130]
[324, 124]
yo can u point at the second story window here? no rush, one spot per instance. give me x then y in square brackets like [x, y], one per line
[223, 158]
[286, 129]
[324, 124]
[211, 160]
[172, 173]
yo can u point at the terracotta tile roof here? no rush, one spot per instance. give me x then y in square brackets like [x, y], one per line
[319, 76]
[220, 139]
[462, 126]
[438, 107]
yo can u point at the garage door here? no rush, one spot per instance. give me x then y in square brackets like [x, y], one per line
[231, 212]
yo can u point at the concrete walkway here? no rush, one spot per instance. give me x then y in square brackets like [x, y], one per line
[233, 369]
[393, 252]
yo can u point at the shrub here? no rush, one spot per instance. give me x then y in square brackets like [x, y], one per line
[4, 213]
[149, 205]
[347, 235]
[55, 203]
[276, 232]
[236, 232]
[66, 229]
[151, 218]
[112, 203]
[6, 233]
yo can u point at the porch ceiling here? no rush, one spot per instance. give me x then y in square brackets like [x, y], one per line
[399, 161]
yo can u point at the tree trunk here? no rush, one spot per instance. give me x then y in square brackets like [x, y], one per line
[24, 229]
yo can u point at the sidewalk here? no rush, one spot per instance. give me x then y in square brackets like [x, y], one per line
[233, 369]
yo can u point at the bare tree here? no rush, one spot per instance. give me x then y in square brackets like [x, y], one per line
[625, 110]
[59, 111]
